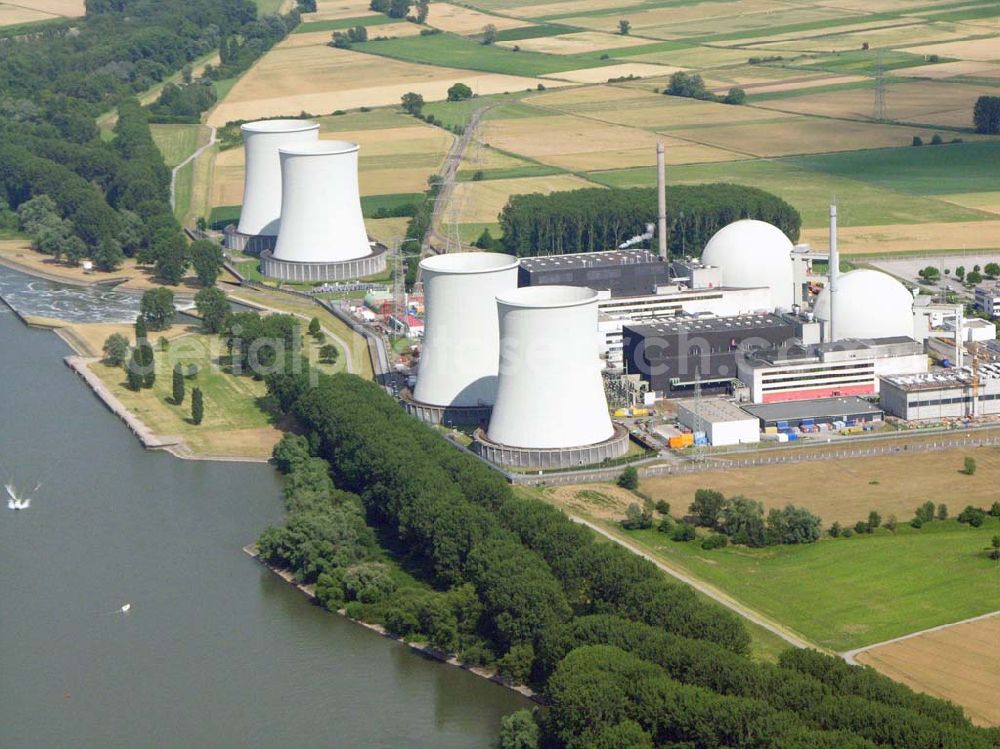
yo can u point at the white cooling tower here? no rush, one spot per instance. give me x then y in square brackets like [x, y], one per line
[754, 254]
[869, 304]
[458, 360]
[549, 393]
[320, 204]
[261, 210]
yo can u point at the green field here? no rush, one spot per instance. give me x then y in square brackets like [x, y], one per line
[845, 593]
[183, 190]
[342, 23]
[268, 7]
[862, 200]
[452, 51]
[372, 205]
[176, 142]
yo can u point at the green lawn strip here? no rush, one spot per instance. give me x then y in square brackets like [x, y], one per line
[831, 23]
[453, 51]
[617, 12]
[336, 24]
[379, 118]
[645, 49]
[860, 203]
[183, 190]
[847, 593]
[223, 87]
[528, 170]
[176, 142]
[469, 233]
[222, 215]
[458, 113]
[268, 7]
[795, 93]
[392, 204]
[984, 11]
[863, 62]
[535, 32]
[929, 170]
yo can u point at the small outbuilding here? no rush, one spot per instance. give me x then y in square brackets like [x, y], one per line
[723, 422]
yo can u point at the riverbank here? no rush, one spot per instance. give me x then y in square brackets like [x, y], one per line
[425, 650]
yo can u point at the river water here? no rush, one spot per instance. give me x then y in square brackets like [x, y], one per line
[216, 651]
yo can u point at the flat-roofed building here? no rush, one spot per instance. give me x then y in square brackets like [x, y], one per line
[816, 411]
[952, 394]
[723, 422]
[988, 298]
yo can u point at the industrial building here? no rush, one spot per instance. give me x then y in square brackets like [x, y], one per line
[952, 394]
[751, 254]
[457, 379]
[988, 298]
[870, 304]
[260, 215]
[722, 422]
[322, 233]
[847, 367]
[793, 414]
[550, 409]
[671, 355]
[619, 272]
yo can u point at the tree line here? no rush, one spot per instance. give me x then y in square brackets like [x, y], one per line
[623, 657]
[595, 219]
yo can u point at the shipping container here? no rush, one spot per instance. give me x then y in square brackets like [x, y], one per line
[770, 430]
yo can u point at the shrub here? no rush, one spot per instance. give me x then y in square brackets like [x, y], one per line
[925, 513]
[715, 541]
[515, 665]
[874, 520]
[835, 530]
[973, 516]
[666, 525]
[368, 582]
[663, 507]
[995, 509]
[917, 523]
[354, 610]
[684, 532]
[969, 466]
[917, 140]
[936, 140]
[636, 518]
[629, 479]
[862, 527]
[942, 511]
[847, 533]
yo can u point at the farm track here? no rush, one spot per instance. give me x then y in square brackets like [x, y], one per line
[173, 174]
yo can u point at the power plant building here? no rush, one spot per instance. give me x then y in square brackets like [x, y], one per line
[953, 394]
[723, 422]
[793, 414]
[619, 272]
[457, 380]
[322, 233]
[260, 215]
[550, 409]
[671, 355]
[826, 370]
[869, 304]
[751, 254]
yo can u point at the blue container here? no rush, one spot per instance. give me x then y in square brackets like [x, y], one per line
[792, 436]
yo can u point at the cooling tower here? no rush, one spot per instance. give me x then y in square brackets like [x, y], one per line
[261, 213]
[458, 360]
[320, 204]
[549, 393]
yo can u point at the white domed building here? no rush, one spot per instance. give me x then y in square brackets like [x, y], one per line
[869, 304]
[754, 254]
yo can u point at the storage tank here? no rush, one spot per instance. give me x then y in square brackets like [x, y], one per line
[261, 212]
[549, 393]
[320, 204]
[461, 348]
[754, 254]
[869, 304]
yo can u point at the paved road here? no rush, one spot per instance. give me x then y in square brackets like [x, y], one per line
[714, 593]
[188, 160]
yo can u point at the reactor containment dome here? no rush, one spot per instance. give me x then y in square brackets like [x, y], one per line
[260, 215]
[550, 408]
[754, 254]
[869, 304]
[457, 381]
[322, 235]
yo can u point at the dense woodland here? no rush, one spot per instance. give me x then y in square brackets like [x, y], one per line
[623, 657]
[107, 200]
[594, 219]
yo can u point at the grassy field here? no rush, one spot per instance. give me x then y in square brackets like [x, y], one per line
[177, 142]
[234, 422]
[845, 593]
[960, 663]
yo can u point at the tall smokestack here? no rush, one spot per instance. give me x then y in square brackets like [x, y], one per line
[834, 269]
[661, 189]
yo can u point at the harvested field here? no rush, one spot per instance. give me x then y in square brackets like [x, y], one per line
[466, 21]
[327, 10]
[386, 229]
[698, 58]
[600, 75]
[12, 15]
[960, 663]
[547, 9]
[580, 99]
[884, 35]
[925, 102]
[861, 240]
[847, 490]
[575, 143]
[322, 38]
[973, 49]
[65, 8]
[320, 79]
[800, 136]
[572, 44]
[951, 69]
[480, 202]
[769, 88]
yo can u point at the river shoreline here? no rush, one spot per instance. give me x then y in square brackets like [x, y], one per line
[425, 650]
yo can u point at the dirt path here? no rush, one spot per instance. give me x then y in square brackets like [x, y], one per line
[702, 587]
